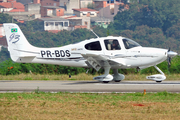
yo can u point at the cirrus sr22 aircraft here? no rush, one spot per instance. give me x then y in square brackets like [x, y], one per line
[106, 52]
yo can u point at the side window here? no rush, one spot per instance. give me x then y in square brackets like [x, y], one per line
[93, 46]
[112, 44]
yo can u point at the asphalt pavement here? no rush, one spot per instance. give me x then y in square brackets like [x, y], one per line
[87, 86]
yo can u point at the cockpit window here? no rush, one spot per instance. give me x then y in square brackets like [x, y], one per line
[128, 43]
[93, 46]
[112, 44]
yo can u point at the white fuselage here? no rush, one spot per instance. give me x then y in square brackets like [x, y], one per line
[71, 55]
[106, 52]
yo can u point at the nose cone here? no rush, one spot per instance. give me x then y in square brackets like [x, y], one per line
[171, 54]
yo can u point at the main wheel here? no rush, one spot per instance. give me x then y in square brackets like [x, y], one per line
[117, 80]
[105, 81]
[158, 81]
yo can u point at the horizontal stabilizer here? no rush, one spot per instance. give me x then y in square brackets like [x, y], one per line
[27, 56]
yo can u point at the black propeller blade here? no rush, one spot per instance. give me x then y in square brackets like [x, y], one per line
[169, 62]
[170, 54]
[169, 59]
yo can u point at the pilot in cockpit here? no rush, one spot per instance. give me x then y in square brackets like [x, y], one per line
[115, 45]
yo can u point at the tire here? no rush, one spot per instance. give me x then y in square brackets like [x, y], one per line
[117, 80]
[105, 81]
[158, 81]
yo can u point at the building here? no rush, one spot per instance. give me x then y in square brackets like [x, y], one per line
[55, 24]
[100, 21]
[11, 7]
[85, 12]
[85, 3]
[83, 18]
[33, 8]
[25, 1]
[107, 8]
[31, 12]
[70, 5]
[48, 2]
[63, 2]
[3, 41]
[2, 33]
[51, 11]
[79, 22]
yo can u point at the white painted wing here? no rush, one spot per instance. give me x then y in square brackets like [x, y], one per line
[98, 61]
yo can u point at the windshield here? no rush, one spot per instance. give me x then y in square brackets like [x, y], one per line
[128, 43]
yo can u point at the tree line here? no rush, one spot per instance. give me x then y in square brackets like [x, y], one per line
[8, 67]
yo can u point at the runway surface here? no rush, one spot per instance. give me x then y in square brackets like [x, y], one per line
[88, 86]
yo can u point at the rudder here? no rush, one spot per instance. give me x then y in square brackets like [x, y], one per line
[17, 42]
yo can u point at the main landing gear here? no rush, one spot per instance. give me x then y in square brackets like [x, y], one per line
[106, 77]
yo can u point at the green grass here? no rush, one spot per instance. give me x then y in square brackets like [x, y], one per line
[98, 97]
[82, 76]
[75, 106]
[90, 97]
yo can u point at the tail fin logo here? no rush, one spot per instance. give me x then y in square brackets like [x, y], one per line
[13, 30]
[14, 38]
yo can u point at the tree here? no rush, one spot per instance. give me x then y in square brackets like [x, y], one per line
[125, 19]
[153, 13]
[5, 18]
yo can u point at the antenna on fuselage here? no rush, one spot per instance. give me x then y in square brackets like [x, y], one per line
[94, 33]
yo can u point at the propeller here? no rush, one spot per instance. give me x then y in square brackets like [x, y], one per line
[169, 62]
[170, 54]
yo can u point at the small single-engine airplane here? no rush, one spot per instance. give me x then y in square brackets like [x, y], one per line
[106, 52]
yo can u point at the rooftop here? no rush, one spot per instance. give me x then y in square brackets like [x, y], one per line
[53, 7]
[17, 10]
[16, 5]
[53, 19]
[85, 10]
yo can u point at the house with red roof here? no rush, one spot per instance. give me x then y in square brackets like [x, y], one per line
[11, 6]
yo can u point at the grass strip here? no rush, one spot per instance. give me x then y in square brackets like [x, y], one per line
[40, 105]
[82, 76]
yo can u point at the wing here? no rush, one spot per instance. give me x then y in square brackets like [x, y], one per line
[98, 61]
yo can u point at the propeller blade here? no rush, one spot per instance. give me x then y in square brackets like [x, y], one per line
[169, 62]
[170, 54]
[169, 49]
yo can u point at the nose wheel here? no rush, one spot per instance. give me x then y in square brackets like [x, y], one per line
[157, 77]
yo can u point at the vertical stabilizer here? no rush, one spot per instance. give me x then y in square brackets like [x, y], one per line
[17, 42]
